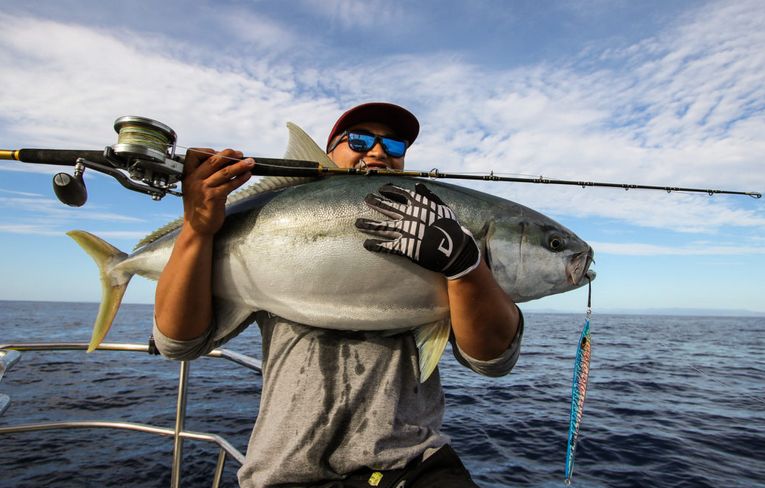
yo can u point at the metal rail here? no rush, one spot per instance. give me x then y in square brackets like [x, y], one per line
[178, 432]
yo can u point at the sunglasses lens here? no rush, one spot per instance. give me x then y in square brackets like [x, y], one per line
[394, 147]
[361, 142]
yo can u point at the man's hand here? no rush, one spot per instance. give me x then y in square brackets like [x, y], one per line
[423, 228]
[209, 177]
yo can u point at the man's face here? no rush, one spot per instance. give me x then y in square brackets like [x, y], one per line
[345, 157]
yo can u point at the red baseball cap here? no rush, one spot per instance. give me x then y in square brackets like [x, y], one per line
[403, 122]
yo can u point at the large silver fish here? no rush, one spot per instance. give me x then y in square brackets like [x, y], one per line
[289, 246]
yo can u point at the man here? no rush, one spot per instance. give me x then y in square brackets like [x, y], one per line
[338, 408]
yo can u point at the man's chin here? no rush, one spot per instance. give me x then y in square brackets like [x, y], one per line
[371, 165]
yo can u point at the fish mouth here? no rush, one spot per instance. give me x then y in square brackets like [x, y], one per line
[578, 268]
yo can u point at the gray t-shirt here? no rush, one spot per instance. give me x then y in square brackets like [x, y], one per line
[334, 402]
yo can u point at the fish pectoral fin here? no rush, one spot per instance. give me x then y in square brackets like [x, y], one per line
[231, 319]
[431, 341]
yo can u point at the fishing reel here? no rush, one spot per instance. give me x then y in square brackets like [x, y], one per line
[145, 150]
[142, 160]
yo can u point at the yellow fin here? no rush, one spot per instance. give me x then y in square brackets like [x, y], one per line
[113, 284]
[431, 341]
[301, 146]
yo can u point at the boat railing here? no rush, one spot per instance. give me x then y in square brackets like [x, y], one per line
[10, 353]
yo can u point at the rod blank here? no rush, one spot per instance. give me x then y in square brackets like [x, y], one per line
[289, 167]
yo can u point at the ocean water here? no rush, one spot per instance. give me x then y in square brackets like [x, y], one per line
[672, 402]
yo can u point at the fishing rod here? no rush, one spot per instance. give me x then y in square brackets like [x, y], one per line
[144, 160]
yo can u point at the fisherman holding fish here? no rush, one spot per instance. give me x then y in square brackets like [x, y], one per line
[344, 408]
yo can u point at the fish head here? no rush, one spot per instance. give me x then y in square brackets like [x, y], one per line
[532, 256]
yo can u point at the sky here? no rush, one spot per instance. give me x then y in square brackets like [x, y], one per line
[653, 92]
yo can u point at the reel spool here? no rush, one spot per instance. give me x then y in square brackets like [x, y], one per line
[146, 149]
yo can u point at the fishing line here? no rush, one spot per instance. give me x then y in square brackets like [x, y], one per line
[500, 450]
[435, 173]
[139, 133]
[713, 379]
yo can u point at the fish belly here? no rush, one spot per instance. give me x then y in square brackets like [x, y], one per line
[303, 259]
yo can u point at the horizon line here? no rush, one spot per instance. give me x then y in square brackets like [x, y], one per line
[668, 311]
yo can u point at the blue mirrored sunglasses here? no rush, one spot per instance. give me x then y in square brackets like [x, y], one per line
[364, 141]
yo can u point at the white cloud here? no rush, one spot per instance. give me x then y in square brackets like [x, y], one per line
[366, 15]
[682, 108]
[21, 193]
[701, 249]
[30, 229]
[50, 210]
[44, 229]
[253, 29]
[100, 76]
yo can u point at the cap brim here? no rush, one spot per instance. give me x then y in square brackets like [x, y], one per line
[401, 121]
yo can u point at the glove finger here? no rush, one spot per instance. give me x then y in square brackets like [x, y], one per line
[445, 212]
[404, 246]
[379, 245]
[423, 190]
[396, 193]
[385, 229]
[385, 206]
[441, 209]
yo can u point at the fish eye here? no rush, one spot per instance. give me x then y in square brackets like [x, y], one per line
[556, 242]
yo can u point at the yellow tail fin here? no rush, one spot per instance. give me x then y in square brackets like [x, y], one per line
[113, 284]
[431, 341]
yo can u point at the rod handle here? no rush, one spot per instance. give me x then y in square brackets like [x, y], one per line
[62, 157]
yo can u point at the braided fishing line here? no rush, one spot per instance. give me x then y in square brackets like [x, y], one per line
[710, 377]
[143, 135]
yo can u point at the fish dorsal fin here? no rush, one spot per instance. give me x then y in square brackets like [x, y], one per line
[267, 183]
[300, 146]
[431, 341]
[164, 230]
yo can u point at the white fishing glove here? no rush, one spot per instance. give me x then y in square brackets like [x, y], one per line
[423, 228]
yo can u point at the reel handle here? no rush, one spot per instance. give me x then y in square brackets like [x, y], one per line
[69, 189]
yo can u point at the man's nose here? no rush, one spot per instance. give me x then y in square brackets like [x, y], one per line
[377, 151]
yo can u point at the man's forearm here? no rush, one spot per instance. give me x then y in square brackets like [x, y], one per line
[183, 302]
[484, 319]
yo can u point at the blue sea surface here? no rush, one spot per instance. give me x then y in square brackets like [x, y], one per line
[672, 402]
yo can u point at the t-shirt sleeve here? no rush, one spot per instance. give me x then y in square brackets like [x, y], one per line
[226, 324]
[183, 350]
[499, 366]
